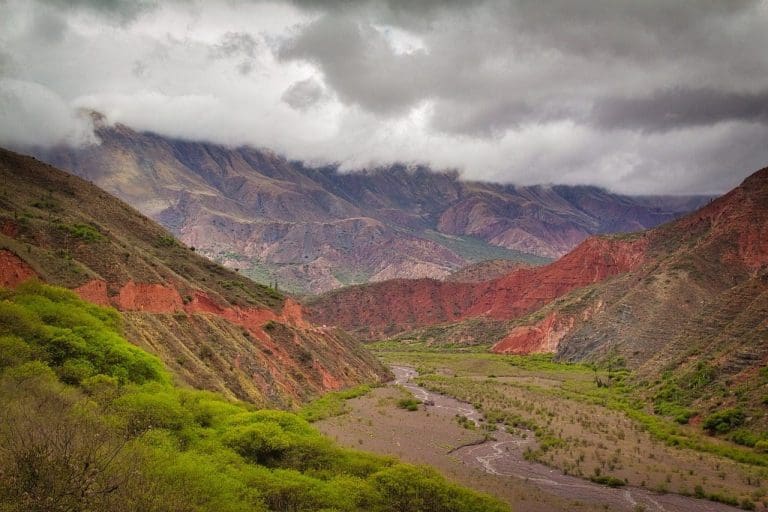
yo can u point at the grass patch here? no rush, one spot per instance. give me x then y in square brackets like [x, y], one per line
[83, 232]
[331, 404]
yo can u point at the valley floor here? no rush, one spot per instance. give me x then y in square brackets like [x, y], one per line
[578, 438]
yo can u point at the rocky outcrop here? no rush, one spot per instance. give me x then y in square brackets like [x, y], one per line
[13, 271]
[542, 337]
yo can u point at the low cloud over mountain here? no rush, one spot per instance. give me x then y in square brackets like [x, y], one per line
[641, 97]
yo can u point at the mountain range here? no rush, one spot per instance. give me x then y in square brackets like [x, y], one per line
[314, 229]
[685, 305]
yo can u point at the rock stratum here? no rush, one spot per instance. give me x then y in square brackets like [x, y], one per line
[214, 328]
[314, 229]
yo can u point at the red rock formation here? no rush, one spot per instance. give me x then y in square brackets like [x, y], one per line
[541, 337]
[398, 305]
[94, 291]
[157, 298]
[13, 271]
[149, 297]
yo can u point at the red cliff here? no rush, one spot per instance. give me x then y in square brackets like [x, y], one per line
[395, 306]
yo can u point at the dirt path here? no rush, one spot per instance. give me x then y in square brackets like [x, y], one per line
[503, 456]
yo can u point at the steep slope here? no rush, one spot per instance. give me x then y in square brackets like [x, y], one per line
[390, 307]
[213, 327]
[692, 321]
[317, 229]
[703, 276]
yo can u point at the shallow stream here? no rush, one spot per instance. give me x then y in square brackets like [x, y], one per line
[503, 455]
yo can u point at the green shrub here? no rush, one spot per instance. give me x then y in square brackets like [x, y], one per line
[83, 232]
[409, 404]
[744, 438]
[724, 421]
[610, 481]
[151, 407]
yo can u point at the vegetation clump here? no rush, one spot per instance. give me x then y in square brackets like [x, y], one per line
[91, 422]
[409, 404]
[84, 232]
[724, 421]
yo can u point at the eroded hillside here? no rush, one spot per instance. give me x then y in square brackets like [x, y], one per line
[213, 327]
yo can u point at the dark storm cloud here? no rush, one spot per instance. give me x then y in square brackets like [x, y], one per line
[639, 96]
[117, 10]
[358, 64]
[681, 107]
[490, 66]
[303, 94]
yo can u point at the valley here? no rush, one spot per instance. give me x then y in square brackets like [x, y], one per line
[383, 256]
[552, 439]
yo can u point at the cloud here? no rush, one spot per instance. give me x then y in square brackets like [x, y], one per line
[304, 94]
[359, 63]
[651, 96]
[40, 116]
[681, 107]
[120, 11]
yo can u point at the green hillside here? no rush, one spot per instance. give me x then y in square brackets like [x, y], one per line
[92, 423]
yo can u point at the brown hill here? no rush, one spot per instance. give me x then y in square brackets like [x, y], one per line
[317, 229]
[213, 327]
[692, 320]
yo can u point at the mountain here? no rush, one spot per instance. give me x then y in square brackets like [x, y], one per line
[316, 229]
[691, 321]
[619, 295]
[383, 309]
[214, 328]
[701, 290]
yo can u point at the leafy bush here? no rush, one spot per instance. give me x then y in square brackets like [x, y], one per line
[610, 481]
[724, 421]
[409, 404]
[84, 232]
[744, 438]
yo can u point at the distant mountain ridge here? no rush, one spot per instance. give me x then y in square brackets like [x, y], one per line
[316, 229]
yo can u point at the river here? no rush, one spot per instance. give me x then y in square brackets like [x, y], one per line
[503, 455]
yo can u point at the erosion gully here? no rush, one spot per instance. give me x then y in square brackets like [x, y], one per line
[503, 455]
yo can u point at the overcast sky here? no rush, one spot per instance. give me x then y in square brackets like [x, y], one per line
[651, 96]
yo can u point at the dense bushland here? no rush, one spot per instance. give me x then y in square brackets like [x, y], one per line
[91, 422]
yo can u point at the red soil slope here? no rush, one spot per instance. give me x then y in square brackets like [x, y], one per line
[399, 305]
